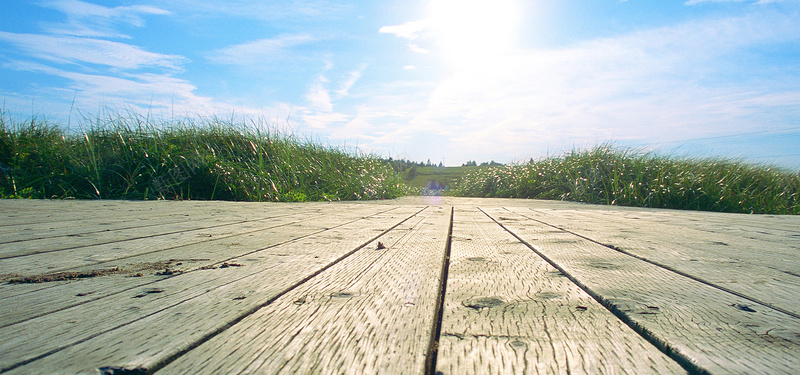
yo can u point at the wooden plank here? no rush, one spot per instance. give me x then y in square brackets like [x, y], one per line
[22, 212]
[748, 267]
[780, 230]
[152, 265]
[189, 226]
[371, 313]
[708, 328]
[146, 268]
[91, 255]
[132, 255]
[15, 212]
[144, 326]
[87, 225]
[507, 311]
[27, 232]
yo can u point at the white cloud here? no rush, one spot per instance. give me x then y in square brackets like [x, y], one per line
[73, 50]
[263, 10]
[92, 20]
[759, 2]
[695, 2]
[319, 98]
[323, 120]
[650, 86]
[259, 51]
[414, 32]
[157, 95]
[410, 30]
[320, 111]
[352, 78]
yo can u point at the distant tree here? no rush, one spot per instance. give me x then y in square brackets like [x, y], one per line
[429, 163]
[412, 173]
[491, 164]
[441, 165]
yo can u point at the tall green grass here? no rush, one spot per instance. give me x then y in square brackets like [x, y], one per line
[605, 175]
[131, 157]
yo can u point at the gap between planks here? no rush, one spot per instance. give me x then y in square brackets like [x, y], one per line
[707, 329]
[135, 330]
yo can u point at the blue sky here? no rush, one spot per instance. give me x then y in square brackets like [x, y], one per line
[445, 80]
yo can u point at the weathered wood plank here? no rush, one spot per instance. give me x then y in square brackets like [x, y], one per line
[102, 254]
[58, 218]
[748, 267]
[126, 225]
[172, 230]
[32, 303]
[711, 329]
[143, 326]
[27, 211]
[507, 311]
[134, 256]
[372, 313]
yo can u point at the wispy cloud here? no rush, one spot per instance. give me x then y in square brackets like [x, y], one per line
[410, 30]
[694, 2]
[650, 87]
[265, 10]
[759, 2]
[259, 52]
[318, 97]
[319, 112]
[72, 50]
[351, 79]
[92, 20]
[143, 91]
[415, 32]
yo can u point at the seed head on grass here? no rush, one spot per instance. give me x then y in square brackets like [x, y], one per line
[606, 175]
[126, 156]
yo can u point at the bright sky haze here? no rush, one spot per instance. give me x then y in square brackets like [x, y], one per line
[445, 80]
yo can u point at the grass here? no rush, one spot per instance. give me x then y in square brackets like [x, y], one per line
[130, 157]
[605, 175]
[420, 177]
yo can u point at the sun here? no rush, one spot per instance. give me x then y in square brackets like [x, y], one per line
[471, 31]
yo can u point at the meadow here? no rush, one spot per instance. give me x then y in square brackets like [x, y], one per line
[613, 176]
[422, 177]
[132, 157]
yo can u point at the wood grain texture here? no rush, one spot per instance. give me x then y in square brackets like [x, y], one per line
[753, 268]
[507, 311]
[165, 232]
[371, 313]
[167, 316]
[150, 267]
[304, 288]
[102, 254]
[711, 329]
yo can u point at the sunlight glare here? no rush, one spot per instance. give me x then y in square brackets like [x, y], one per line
[475, 31]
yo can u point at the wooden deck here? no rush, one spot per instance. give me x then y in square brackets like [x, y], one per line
[411, 286]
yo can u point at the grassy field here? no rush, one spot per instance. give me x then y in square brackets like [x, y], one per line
[128, 157]
[421, 177]
[605, 175]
